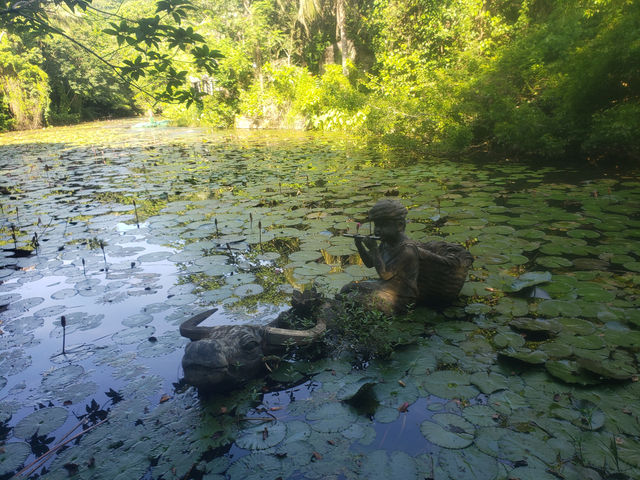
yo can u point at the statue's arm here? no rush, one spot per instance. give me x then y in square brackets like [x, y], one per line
[406, 265]
[365, 255]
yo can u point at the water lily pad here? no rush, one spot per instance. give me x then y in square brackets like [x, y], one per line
[489, 382]
[448, 430]
[528, 279]
[449, 384]
[468, 464]
[41, 422]
[248, 289]
[558, 308]
[380, 465]
[12, 456]
[621, 366]
[262, 436]
[481, 415]
[133, 334]
[256, 466]
[533, 357]
[569, 372]
[553, 262]
[535, 325]
[331, 417]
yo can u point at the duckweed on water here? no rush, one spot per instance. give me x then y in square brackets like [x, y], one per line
[531, 375]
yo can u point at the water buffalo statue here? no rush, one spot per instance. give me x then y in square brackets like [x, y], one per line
[226, 356]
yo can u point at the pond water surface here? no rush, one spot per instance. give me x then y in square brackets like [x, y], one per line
[125, 232]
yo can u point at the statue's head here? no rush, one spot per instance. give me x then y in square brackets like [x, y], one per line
[389, 217]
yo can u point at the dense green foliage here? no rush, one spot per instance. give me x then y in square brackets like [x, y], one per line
[526, 78]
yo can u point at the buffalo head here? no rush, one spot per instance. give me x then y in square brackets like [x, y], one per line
[226, 356]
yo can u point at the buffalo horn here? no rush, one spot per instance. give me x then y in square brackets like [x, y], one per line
[285, 336]
[191, 330]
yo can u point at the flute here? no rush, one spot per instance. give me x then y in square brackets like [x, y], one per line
[357, 235]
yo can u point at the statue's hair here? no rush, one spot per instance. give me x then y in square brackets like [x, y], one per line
[388, 208]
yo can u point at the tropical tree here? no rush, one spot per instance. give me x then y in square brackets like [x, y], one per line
[152, 40]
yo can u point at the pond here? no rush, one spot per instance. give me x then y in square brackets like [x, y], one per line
[125, 232]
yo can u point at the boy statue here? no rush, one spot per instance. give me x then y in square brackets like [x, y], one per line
[396, 260]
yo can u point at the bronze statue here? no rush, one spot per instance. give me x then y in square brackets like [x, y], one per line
[411, 272]
[396, 260]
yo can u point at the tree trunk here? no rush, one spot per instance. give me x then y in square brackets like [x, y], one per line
[341, 33]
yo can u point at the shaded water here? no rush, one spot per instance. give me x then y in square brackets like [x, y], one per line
[239, 219]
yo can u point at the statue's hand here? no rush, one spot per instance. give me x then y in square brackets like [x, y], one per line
[371, 244]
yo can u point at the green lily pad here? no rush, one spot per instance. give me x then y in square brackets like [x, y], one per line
[587, 342]
[508, 339]
[256, 466]
[533, 357]
[12, 456]
[448, 430]
[449, 384]
[481, 415]
[575, 326]
[621, 366]
[512, 306]
[248, 289]
[569, 372]
[622, 337]
[528, 279]
[536, 325]
[489, 382]
[556, 349]
[261, 436]
[558, 308]
[42, 422]
[468, 464]
[380, 465]
[331, 417]
[553, 262]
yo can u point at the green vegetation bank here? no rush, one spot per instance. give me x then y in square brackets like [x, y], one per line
[523, 78]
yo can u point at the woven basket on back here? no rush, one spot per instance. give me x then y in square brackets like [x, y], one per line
[443, 270]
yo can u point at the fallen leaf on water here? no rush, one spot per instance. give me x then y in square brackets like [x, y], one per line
[316, 456]
[404, 407]
[165, 398]
[401, 383]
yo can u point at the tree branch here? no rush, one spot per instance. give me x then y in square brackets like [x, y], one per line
[115, 68]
